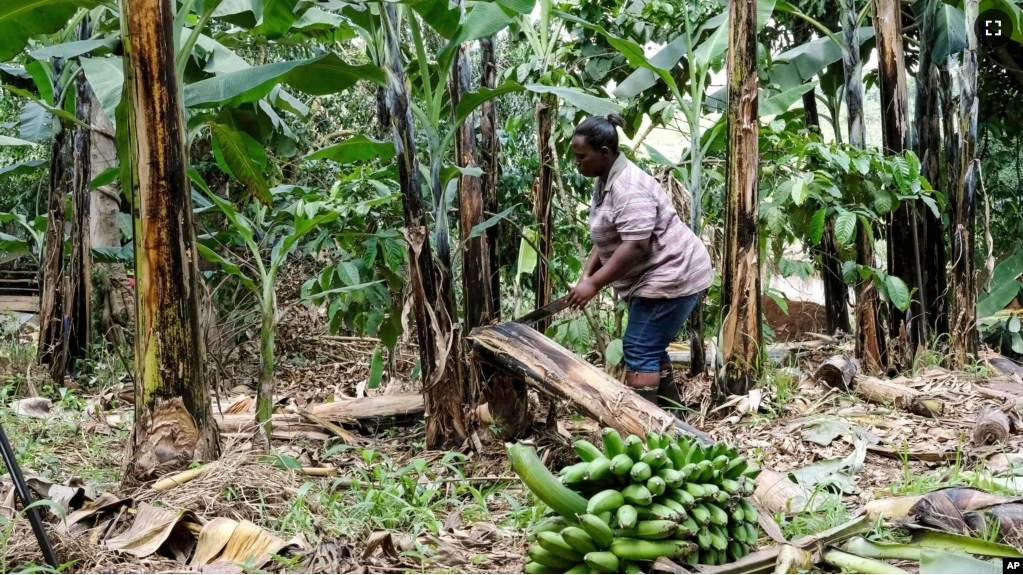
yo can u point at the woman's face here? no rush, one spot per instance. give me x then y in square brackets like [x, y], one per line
[590, 161]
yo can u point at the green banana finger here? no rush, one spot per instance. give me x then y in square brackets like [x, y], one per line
[579, 540]
[602, 561]
[554, 543]
[612, 440]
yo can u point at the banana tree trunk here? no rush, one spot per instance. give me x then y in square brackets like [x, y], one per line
[741, 333]
[264, 393]
[868, 335]
[506, 396]
[111, 292]
[699, 360]
[476, 284]
[836, 293]
[965, 338]
[437, 346]
[903, 244]
[800, 36]
[383, 115]
[174, 424]
[853, 74]
[52, 309]
[928, 149]
[543, 199]
[490, 150]
[868, 344]
[79, 333]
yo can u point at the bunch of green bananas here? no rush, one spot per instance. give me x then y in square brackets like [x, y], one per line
[662, 497]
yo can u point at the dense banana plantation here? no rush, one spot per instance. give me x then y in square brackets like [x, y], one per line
[542, 286]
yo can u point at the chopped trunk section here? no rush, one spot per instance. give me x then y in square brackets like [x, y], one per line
[441, 386]
[556, 371]
[965, 338]
[903, 244]
[173, 420]
[843, 373]
[928, 149]
[740, 280]
[543, 200]
[992, 426]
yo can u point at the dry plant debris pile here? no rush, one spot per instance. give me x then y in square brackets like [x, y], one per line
[620, 509]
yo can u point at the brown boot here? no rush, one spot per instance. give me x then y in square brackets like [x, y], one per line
[667, 388]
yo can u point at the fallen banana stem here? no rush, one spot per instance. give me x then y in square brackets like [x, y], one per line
[857, 564]
[793, 560]
[320, 471]
[179, 479]
[863, 548]
[891, 508]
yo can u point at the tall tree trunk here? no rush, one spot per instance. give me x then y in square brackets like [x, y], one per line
[174, 423]
[490, 150]
[868, 336]
[506, 396]
[741, 332]
[543, 199]
[475, 251]
[928, 149]
[79, 305]
[52, 309]
[903, 241]
[836, 293]
[437, 346]
[965, 338]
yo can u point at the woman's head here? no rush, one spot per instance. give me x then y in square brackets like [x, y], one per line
[595, 144]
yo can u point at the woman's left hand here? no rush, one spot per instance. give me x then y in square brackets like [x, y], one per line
[582, 293]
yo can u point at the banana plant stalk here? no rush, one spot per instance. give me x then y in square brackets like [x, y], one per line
[428, 276]
[856, 564]
[306, 217]
[741, 328]
[868, 334]
[965, 337]
[174, 422]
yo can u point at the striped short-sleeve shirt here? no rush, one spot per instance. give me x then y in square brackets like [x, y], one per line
[631, 205]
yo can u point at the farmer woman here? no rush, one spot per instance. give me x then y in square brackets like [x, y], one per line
[643, 250]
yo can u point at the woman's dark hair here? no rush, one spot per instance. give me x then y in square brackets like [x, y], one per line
[601, 131]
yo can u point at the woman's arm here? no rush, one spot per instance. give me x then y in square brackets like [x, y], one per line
[592, 265]
[617, 266]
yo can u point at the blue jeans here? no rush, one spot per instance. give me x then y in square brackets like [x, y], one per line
[653, 324]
